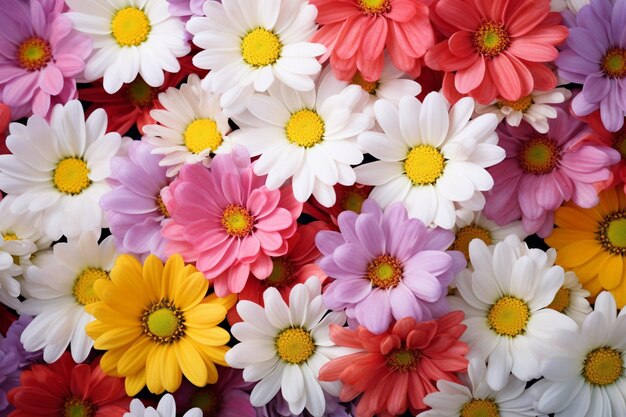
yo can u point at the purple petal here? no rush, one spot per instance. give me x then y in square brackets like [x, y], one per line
[404, 304]
[424, 285]
[370, 233]
[374, 312]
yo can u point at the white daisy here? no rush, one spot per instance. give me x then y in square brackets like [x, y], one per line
[503, 300]
[309, 136]
[475, 398]
[165, 408]
[191, 127]
[585, 373]
[59, 289]
[571, 299]
[283, 347]
[535, 108]
[247, 45]
[130, 37]
[430, 156]
[59, 169]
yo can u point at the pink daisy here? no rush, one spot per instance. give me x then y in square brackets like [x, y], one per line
[226, 220]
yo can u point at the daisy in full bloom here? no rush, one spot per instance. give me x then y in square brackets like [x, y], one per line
[283, 347]
[395, 370]
[59, 288]
[40, 56]
[60, 168]
[358, 32]
[251, 45]
[571, 298]
[348, 198]
[387, 266]
[592, 243]
[540, 172]
[156, 324]
[228, 222]
[503, 299]
[496, 51]
[309, 136]
[130, 37]
[584, 374]
[165, 408]
[191, 127]
[430, 156]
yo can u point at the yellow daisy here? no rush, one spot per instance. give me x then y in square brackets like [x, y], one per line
[156, 323]
[592, 243]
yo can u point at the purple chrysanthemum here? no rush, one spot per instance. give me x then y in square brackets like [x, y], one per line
[186, 8]
[595, 56]
[387, 266]
[279, 407]
[134, 208]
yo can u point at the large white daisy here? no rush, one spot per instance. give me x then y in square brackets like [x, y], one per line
[430, 156]
[59, 169]
[59, 289]
[309, 136]
[130, 37]
[247, 45]
[283, 347]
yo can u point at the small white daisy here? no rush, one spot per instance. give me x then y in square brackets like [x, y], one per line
[283, 347]
[535, 108]
[571, 299]
[130, 37]
[59, 169]
[247, 45]
[309, 136]
[165, 408]
[191, 127]
[59, 289]
[430, 156]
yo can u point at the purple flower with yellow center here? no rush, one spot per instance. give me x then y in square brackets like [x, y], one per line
[386, 266]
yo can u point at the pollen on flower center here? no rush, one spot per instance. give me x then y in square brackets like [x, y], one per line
[10, 236]
[130, 26]
[403, 360]
[612, 233]
[522, 105]
[468, 233]
[561, 300]
[353, 200]
[83, 285]
[305, 128]
[424, 165]
[385, 271]
[509, 316]
[237, 221]
[33, 54]
[480, 408]
[369, 86]
[140, 93]
[491, 39]
[162, 207]
[539, 156]
[614, 63]
[202, 134]
[71, 176]
[261, 47]
[163, 322]
[295, 345]
[77, 407]
[207, 400]
[371, 7]
[282, 273]
[603, 366]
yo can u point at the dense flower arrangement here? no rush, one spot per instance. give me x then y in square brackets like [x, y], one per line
[318, 208]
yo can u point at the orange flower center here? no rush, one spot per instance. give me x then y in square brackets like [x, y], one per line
[77, 407]
[162, 207]
[33, 54]
[237, 221]
[612, 233]
[371, 7]
[403, 360]
[539, 156]
[385, 271]
[282, 273]
[353, 199]
[561, 300]
[208, 401]
[468, 233]
[369, 86]
[614, 63]
[491, 39]
[523, 104]
[140, 94]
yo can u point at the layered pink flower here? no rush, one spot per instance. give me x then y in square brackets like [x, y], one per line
[226, 220]
[496, 48]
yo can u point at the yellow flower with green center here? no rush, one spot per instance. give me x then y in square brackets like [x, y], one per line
[156, 324]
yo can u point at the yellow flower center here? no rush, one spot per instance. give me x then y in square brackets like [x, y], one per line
[612, 233]
[162, 207]
[385, 271]
[561, 300]
[508, 316]
[603, 366]
[353, 199]
[10, 236]
[522, 104]
[130, 26]
[208, 400]
[261, 47]
[424, 165]
[614, 63]
[77, 407]
[480, 408]
[468, 233]
[140, 93]
[71, 176]
[369, 86]
[539, 156]
[83, 285]
[371, 7]
[163, 322]
[237, 221]
[282, 273]
[295, 345]
[491, 39]
[202, 134]
[33, 54]
[403, 360]
[305, 128]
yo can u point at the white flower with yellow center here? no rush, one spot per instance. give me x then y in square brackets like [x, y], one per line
[430, 156]
[571, 299]
[165, 408]
[309, 136]
[192, 127]
[283, 347]
[59, 289]
[59, 169]
[248, 45]
[130, 37]
[503, 300]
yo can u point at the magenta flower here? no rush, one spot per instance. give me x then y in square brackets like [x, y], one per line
[387, 266]
[40, 56]
[541, 171]
[227, 221]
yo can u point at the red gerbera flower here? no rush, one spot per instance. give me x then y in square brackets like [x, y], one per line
[348, 198]
[64, 388]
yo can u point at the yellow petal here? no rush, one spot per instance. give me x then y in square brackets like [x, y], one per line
[126, 268]
[135, 357]
[216, 353]
[569, 217]
[204, 316]
[153, 369]
[173, 267]
[609, 202]
[593, 287]
[117, 337]
[578, 253]
[109, 361]
[190, 362]
[562, 237]
[620, 295]
[209, 337]
[153, 276]
[212, 374]
[171, 374]
[128, 316]
[228, 302]
[135, 383]
[611, 272]
[190, 290]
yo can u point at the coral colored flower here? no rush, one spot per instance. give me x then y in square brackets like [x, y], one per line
[226, 220]
[397, 369]
[497, 48]
[40, 56]
[356, 34]
[540, 172]
[348, 198]
[64, 388]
